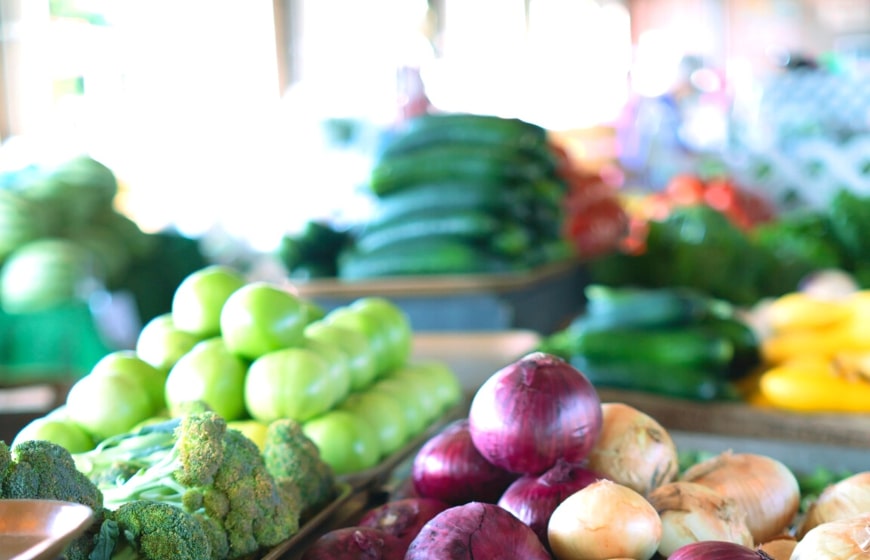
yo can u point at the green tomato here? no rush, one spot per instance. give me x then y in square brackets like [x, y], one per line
[395, 323]
[199, 298]
[339, 365]
[345, 441]
[261, 317]
[288, 383]
[404, 393]
[127, 362]
[354, 344]
[371, 328]
[161, 343]
[108, 404]
[63, 432]
[209, 373]
[433, 379]
[421, 389]
[383, 413]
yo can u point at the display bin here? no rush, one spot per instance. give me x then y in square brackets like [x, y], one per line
[543, 300]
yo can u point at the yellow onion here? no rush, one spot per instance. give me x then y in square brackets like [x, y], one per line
[779, 548]
[633, 449]
[846, 498]
[692, 512]
[764, 487]
[602, 521]
[845, 539]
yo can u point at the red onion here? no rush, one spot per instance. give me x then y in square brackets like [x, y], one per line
[476, 530]
[449, 468]
[534, 411]
[403, 518]
[532, 499]
[717, 550]
[356, 543]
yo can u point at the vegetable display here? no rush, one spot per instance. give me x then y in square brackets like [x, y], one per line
[456, 193]
[686, 506]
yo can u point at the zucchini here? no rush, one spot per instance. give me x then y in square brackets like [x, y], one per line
[456, 195]
[747, 346]
[465, 128]
[672, 381]
[445, 163]
[686, 347]
[467, 225]
[419, 257]
[635, 307]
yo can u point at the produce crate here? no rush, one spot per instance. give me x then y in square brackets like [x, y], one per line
[542, 300]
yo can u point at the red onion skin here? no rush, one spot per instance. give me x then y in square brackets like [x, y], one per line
[448, 467]
[356, 543]
[403, 518]
[533, 411]
[717, 550]
[532, 499]
[476, 530]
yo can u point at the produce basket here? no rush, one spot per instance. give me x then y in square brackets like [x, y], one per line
[541, 300]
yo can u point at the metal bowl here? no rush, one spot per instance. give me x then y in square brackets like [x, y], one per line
[40, 529]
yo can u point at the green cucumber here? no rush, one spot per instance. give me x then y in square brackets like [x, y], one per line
[464, 128]
[445, 163]
[419, 257]
[672, 381]
[747, 346]
[452, 195]
[678, 346]
[469, 225]
[636, 307]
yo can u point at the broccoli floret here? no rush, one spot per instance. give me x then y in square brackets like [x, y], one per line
[293, 459]
[218, 475]
[39, 469]
[45, 470]
[149, 530]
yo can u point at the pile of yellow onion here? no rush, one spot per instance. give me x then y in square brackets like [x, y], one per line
[733, 505]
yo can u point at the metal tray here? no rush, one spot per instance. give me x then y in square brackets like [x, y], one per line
[40, 529]
[344, 493]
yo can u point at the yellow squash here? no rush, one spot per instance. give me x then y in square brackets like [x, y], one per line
[814, 385]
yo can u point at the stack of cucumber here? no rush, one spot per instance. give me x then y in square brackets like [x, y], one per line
[458, 194]
[672, 341]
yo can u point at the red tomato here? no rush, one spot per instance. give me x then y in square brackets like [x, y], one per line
[599, 228]
[686, 189]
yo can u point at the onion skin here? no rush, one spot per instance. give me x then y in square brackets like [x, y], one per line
[716, 550]
[448, 467]
[356, 543]
[633, 449]
[847, 498]
[476, 530]
[692, 512]
[764, 487]
[532, 499]
[534, 411]
[403, 518]
[845, 539]
[780, 548]
[604, 520]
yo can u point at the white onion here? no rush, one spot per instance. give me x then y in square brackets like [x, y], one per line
[693, 512]
[846, 498]
[846, 539]
[633, 449]
[764, 487]
[602, 521]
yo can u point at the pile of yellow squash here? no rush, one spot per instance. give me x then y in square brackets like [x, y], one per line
[816, 354]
